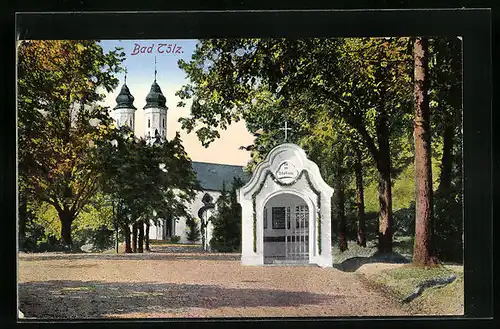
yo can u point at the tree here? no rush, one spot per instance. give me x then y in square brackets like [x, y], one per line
[445, 93]
[226, 234]
[445, 71]
[59, 85]
[193, 232]
[328, 148]
[366, 82]
[94, 224]
[146, 237]
[423, 253]
[146, 179]
[360, 198]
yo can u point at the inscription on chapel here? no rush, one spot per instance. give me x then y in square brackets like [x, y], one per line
[286, 170]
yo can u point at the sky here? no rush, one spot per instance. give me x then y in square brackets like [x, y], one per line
[140, 65]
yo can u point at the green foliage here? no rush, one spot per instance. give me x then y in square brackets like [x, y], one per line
[94, 224]
[403, 189]
[338, 95]
[147, 181]
[193, 230]
[60, 123]
[175, 239]
[448, 225]
[404, 219]
[43, 229]
[445, 68]
[96, 213]
[371, 229]
[226, 234]
[101, 238]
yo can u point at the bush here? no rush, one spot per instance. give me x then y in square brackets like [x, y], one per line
[175, 239]
[371, 227]
[226, 236]
[448, 226]
[102, 238]
[40, 230]
[404, 221]
[193, 230]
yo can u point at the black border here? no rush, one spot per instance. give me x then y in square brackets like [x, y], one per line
[473, 25]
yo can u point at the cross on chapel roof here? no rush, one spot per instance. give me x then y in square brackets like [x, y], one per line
[286, 130]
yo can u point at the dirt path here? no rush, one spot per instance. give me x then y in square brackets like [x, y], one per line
[188, 285]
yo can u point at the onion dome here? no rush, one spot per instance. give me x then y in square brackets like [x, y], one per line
[125, 100]
[155, 97]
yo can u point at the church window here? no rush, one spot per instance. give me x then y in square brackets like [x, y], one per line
[149, 123]
[163, 123]
[265, 218]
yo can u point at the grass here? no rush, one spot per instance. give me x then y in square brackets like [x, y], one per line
[402, 245]
[402, 280]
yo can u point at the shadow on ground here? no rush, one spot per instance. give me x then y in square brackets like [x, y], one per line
[96, 299]
[352, 264]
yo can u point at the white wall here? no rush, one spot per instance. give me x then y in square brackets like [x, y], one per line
[156, 232]
[180, 227]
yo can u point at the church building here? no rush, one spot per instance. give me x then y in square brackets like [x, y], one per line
[285, 204]
[210, 175]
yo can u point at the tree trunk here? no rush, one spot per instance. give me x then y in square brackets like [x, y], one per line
[126, 233]
[447, 159]
[341, 213]
[385, 188]
[140, 247]
[422, 252]
[23, 218]
[66, 217]
[202, 229]
[146, 236]
[134, 237]
[360, 199]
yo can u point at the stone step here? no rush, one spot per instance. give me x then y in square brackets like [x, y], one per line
[290, 261]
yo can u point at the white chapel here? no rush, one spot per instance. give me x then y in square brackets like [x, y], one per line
[286, 211]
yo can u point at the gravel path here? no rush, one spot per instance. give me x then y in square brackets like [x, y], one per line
[188, 284]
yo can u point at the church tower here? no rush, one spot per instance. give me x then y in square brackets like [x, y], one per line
[124, 111]
[156, 112]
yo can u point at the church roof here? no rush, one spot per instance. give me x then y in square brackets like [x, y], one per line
[211, 175]
[125, 100]
[155, 97]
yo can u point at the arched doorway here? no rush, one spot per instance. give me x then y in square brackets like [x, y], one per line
[286, 229]
[206, 226]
